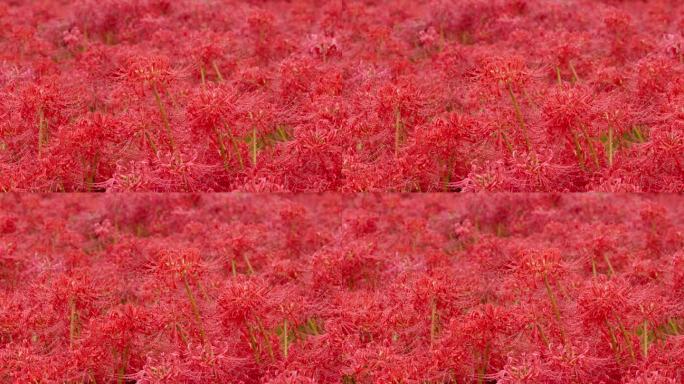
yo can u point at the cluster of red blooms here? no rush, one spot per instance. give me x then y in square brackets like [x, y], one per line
[339, 289]
[399, 95]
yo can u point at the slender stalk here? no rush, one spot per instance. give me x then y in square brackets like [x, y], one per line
[574, 73]
[542, 334]
[86, 177]
[613, 341]
[182, 333]
[122, 366]
[237, 152]
[233, 267]
[253, 344]
[610, 266]
[483, 365]
[194, 307]
[578, 150]
[42, 128]
[146, 138]
[282, 133]
[254, 147]
[222, 149]
[519, 116]
[73, 319]
[637, 133]
[610, 145]
[266, 338]
[91, 173]
[558, 76]
[216, 69]
[644, 335]
[554, 304]
[397, 131]
[447, 177]
[313, 326]
[285, 339]
[165, 118]
[507, 142]
[249, 265]
[628, 340]
[592, 149]
[673, 326]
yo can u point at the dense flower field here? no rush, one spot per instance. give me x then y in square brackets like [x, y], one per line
[396, 95]
[334, 96]
[340, 289]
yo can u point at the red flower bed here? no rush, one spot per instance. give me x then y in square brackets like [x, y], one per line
[442, 95]
[341, 289]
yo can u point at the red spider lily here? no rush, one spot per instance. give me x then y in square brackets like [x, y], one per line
[567, 109]
[151, 72]
[208, 56]
[538, 265]
[569, 115]
[603, 302]
[243, 301]
[213, 108]
[173, 265]
[344, 267]
[498, 74]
